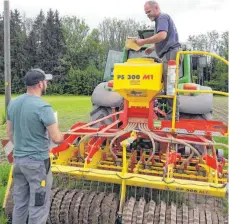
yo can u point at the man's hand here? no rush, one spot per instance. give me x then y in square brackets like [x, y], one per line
[149, 50]
[55, 134]
[140, 42]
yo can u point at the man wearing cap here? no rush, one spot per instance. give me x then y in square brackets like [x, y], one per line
[165, 41]
[29, 122]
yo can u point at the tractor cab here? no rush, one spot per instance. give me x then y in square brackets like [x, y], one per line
[121, 57]
[127, 53]
[105, 97]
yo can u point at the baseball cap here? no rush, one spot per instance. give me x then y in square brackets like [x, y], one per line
[34, 76]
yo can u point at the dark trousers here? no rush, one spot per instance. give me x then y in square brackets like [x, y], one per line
[32, 181]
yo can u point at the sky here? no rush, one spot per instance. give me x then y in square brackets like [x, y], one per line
[191, 17]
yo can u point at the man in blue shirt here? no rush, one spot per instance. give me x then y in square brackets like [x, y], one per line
[30, 124]
[165, 41]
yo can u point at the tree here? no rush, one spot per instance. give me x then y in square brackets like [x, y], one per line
[94, 49]
[33, 45]
[52, 50]
[18, 59]
[207, 42]
[219, 79]
[223, 48]
[27, 24]
[216, 73]
[113, 32]
[75, 33]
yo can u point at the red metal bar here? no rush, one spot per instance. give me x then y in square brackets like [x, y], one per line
[151, 115]
[94, 147]
[190, 126]
[211, 161]
[70, 138]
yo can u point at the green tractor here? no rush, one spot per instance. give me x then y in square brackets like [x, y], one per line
[192, 106]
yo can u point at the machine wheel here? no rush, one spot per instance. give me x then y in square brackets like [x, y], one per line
[83, 206]
[99, 112]
[57, 203]
[167, 214]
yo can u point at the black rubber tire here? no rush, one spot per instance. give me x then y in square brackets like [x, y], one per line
[99, 112]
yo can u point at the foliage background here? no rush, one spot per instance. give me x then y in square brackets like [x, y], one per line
[76, 55]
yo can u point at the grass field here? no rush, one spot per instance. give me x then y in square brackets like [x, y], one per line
[220, 108]
[4, 171]
[72, 109]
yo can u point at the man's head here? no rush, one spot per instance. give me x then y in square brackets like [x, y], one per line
[152, 10]
[36, 80]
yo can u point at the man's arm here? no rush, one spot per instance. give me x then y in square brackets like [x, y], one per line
[9, 131]
[153, 40]
[55, 133]
[47, 116]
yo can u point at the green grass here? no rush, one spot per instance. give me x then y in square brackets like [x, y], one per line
[5, 168]
[220, 108]
[70, 109]
[2, 194]
[3, 219]
[4, 173]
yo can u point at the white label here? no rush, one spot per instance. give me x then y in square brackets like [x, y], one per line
[171, 79]
[9, 148]
[170, 90]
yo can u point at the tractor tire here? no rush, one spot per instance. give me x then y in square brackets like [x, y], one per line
[99, 112]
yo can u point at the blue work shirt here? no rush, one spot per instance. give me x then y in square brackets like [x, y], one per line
[165, 23]
[29, 116]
